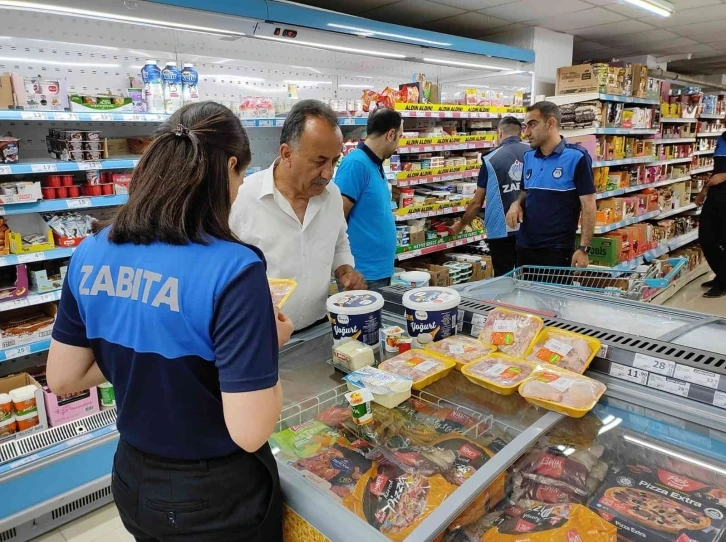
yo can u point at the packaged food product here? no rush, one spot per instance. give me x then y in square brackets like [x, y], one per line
[577, 475]
[510, 332]
[360, 403]
[9, 150]
[304, 440]
[334, 415]
[431, 313]
[281, 290]
[336, 469]
[353, 355]
[391, 336]
[27, 421]
[424, 368]
[525, 488]
[6, 407]
[498, 372]
[357, 315]
[389, 390]
[24, 400]
[395, 502]
[106, 395]
[562, 391]
[564, 349]
[460, 348]
[649, 503]
[8, 426]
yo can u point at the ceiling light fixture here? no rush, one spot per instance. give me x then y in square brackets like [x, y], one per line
[462, 64]
[100, 15]
[367, 32]
[659, 7]
[333, 47]
[58, 63]
[671, 453]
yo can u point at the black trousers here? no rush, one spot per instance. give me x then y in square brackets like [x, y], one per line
[550, 257]
[712, 234]
[225, 499]
[504, 254]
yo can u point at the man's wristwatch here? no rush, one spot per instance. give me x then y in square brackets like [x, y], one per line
[587, 249]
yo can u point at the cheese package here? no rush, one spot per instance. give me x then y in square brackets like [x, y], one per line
[564, 349]
[304, 440]
[388, 390]
[423, 367]
[281, 290]
[460, 348]
[510, 332]
[562, 391]
[498, 372]
[353, 355]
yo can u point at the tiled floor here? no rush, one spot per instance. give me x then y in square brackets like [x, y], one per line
[691, 298]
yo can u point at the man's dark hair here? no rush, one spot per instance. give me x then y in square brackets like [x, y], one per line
[510, 124]
[179, 192]
[298, 116]
[548, 110]
[382, 120]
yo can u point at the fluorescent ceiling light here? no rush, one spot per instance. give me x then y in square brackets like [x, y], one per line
[296, 82]
[664, 9]
[355, 86]
[463, 64]
[103, 16]
[334, 47]
[682, 457]
[58, 63]
[367, 32]
[307, 68]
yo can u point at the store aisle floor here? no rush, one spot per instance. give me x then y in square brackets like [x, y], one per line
[103, 525]
[691, 299]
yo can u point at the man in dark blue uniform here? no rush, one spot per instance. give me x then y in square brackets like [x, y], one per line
[499, 180]
[712, 224]
[557, 185]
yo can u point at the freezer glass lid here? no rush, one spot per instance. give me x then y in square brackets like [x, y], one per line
[710, 337]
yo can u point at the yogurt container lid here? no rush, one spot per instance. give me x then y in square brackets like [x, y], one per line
[23, 394]
[4, 398]
[355, 302]
[431, 298]
[8, 421]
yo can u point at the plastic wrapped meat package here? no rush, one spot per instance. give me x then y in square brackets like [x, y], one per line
[562, 391]
[281, 290]
[563, 349]
[460, 348]
[510, 332]
[422, 367]
[498, 372]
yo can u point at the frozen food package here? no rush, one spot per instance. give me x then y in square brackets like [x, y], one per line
[281, 290]
[395, 502]
[422, 367]
[304, 440]
[510, 332]
[460, 348]
[498, 372]
[334, 415]
[389, 390]
[564, 349]
[562, 391]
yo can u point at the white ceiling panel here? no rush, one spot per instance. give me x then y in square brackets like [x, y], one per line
[639, 38]
[658, 45]
[691, 16]
[501, 29]
[602, 2]
[472, 5]
[612, 29]
[527, 10]
[712, 37]
[588, 46]
[696, 48]
[412, 12]
[699, 29]
[469, 24]
[354, 7]
[579, 19]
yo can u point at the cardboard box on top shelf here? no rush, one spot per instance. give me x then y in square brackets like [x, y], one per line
[23, 225]
[21, 380]
[47, 95]
[6, 91]
[576, 79]
[640, 80]
[116, 146]
[62, 409]
[439, 273]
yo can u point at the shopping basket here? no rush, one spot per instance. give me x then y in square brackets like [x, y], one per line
[600, 280]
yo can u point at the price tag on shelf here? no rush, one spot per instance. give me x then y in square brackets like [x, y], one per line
[630, 374]
[719, 399]
[18, 351]
[697, 376]
[428, 149]
[3, 262]
[670, 385]
[5, 170]
[135, 118]
[654, 365]
[33, 115]
[65, 116]
[349, 122]
[78, 203]
[603, 352]
[477, 323]
[24, 461]
[14, 304]
[32, 257]
[265, 124]
[101, 116]
[48, 297]
[43, 168]
[85, 166]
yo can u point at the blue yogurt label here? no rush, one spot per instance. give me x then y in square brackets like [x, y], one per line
[362, 327]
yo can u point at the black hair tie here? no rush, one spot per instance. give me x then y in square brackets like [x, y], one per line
[181, 131]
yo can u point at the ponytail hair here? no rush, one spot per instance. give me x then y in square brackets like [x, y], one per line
[179, 192]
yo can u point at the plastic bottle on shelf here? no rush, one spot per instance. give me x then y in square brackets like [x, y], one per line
[153, 92]
[190, 84]
[106, 395]
[171, 79]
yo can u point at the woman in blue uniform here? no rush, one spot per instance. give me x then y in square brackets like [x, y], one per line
[173, 310]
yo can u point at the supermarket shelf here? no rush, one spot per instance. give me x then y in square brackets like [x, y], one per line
[672, 212]
[443, 177]
[701, 170]
[708, 134]
[674, 140]
[439, 247]
[671, 120]
[621, 191]
[83, 117]
[665, 182]
[435, 212]
[626, 222]
[48, 165]
[55, 254]
[30, 300]
[43, 206]
[623, 162]
[712, 117]
[681, 240]
[701, 153]
[630, 265]
[589, 96]
[694, 212]
[25, 350]
[609, 131]
[678, 284]
[670, 161]
[469, 145]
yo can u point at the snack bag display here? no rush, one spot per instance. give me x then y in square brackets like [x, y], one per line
[564, 349]
[395, 502]
[460, 348]
[281, 290]
[562, 391]
[422, 367]
[304, 440]
[510, 332]
[498, 372]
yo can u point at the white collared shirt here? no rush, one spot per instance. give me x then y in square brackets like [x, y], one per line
[307, 253]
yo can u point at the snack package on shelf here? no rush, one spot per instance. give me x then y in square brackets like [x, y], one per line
[498, 372]
[562, 391]
[460, 348]
[564, 349]
[510, 332]
[422, 367]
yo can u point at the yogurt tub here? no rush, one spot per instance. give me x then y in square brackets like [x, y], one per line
[8, 426]
[6, 407]
[355, 315]
[415, 279]
[27, 421]
[24, 400]
[397, 274]
[431, 314]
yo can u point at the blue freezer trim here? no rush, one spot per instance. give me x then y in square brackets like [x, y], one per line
[255, 9]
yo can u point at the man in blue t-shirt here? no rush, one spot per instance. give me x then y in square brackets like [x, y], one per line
[367, 198]
[557, 185]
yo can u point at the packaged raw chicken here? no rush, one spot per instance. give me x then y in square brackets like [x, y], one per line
[281, 290]
[562, 391]
[510, 332]
[564, 349]
[460, 348]
[422, 367]
[498, 372]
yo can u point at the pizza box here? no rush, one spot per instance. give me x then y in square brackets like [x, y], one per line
[649, 503]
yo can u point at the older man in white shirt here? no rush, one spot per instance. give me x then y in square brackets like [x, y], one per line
[294, 214]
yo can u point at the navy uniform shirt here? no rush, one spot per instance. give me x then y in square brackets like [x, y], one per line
[171, 328]
[554, 185]
[719, 166]
[500, 176]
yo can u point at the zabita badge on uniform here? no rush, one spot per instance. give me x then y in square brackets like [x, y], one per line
[557, 173]
[529, 174]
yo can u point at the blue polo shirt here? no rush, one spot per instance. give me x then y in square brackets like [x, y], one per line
[371, 226]
[171, 328]
[554, 185]
[719, 166]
